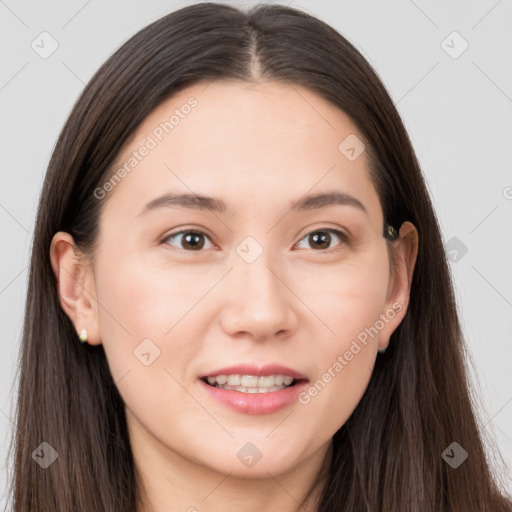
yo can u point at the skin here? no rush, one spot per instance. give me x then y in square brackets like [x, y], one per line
[257, 146]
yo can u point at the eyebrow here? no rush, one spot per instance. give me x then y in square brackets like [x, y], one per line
[212, 204]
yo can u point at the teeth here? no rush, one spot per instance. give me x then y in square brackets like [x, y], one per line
[233, 380]
[251, 383]
[222, 379]
[243, 389]
[248, 381]
[266, 382]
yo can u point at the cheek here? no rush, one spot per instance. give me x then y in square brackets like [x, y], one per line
[143, 298]
[348, 297]
[139, 312]
[350, 305]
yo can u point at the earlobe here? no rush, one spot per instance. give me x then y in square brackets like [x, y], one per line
[74, 285]
[406, 250]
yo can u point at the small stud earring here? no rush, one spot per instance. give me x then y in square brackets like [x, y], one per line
[83, 336]
[382, 350]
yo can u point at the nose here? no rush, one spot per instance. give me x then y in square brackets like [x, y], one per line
[258, 303]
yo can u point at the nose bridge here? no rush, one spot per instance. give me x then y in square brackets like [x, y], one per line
[258, 300]
[257, 270]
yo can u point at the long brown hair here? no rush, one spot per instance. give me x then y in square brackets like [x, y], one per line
[388, 456]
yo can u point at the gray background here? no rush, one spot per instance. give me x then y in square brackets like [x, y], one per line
[457, 110]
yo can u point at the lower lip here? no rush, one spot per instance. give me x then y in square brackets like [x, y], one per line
[255, 403]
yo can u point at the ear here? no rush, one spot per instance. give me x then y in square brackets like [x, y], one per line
[75, 285]
[406, 249]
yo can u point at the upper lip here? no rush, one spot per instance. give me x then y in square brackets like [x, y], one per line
[257, 371]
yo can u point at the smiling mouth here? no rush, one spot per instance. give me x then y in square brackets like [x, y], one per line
[252, 383]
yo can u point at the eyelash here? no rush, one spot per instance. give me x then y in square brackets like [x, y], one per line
[337, 232]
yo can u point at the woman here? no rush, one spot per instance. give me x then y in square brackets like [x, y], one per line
[187, 345]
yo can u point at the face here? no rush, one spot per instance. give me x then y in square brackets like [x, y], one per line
[184, 292]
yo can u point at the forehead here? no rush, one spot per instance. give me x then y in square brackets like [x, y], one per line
[249, 143]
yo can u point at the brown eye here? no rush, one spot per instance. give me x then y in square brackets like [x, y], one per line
[193, 241]
[321, 239]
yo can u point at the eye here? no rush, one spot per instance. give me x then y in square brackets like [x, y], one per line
[323, 236]
[193, 241]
